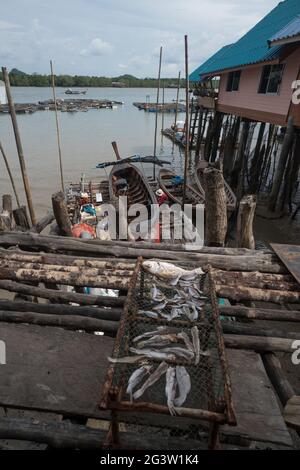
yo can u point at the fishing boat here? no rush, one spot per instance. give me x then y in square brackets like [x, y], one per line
[231, 197]
[126, 179]
[172, 185]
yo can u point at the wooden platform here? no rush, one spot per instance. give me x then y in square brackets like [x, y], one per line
[55, 370]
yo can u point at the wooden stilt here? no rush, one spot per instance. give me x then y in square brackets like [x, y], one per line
[187, 126]
[19, 145]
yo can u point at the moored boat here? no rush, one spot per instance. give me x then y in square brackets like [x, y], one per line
[172, 185]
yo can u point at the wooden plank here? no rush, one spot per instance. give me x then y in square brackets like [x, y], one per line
[290, 256]
[291, 412]
[258, 414]
[51, 369]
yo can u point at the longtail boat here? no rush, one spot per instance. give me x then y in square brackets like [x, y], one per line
[126, 179]
[167, 180]
[231, 197]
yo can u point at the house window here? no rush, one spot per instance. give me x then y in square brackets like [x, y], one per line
[271, 78]
[233, 82]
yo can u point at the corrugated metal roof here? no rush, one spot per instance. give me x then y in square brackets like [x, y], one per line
[290, 30]
[253, 47]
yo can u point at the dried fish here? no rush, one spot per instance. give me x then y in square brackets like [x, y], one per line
[159, 331]
[170, 272]
[185, 338]
[184, 385]
[149, 313]
[158, 341]
[175, 312]
[153, 354]
[196, 343]
[156, 294]
[154, 377]
[126, 359]
[170, 389]
[160, 306]
[136, 378]
[179, 352]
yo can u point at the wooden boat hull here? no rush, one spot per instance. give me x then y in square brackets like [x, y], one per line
[138, 192]
[231, 197]
[174, 192]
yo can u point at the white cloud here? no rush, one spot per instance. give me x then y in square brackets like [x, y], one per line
[97, 47]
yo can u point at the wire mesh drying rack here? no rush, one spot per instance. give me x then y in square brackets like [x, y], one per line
[210, 397]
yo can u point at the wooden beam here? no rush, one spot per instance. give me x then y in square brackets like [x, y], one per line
[239, 311]
[259, 343]
[241, 293]
[276, 375]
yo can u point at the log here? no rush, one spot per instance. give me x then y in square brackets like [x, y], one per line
[21, 218]
[61, 214]
[65, 269]
[240, 311]
[112, 314]
[256, 280]
[61, 296]
[43, 223]
[259, 343]
[69, 279]
[291, 413]
[245, 237]
[260, 262]
[278, 379]
[71, 322]
[237, 328]
[215, 207]
[241, 293]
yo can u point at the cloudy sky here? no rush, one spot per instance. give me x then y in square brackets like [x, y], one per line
[113, 37]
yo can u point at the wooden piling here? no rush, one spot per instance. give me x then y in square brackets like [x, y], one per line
[187, 114]
[10, 175]
[286, 146]
[156, 114]
[19, 145]
[57, 128]
[245, 237]
[215, 207]
[21, 218]
[176, 110]
[61, 214]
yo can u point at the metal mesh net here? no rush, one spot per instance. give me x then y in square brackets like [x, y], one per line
[184, 310]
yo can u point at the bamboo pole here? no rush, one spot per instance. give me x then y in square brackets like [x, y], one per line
[156, 114]
[176, 110]
[187, 127]
[163, 112]
[19, 145]
[57, 128]
[10, 175]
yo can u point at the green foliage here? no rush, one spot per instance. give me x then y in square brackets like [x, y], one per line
[18, 78]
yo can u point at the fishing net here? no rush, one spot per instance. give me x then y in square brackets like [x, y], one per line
[209, 397]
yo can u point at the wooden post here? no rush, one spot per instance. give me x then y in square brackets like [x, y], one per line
[19, 145]
[216, 135]
[116, 150]
[156, 114]
[199, 134]
[286, 146]
[61, 214]
[21, 219]
[277, 377]
[215, 207]
[176, 110]
[187, 115]
[7, 204]
[57, 128]
[245, 237]
[257, 161]
[10, 175]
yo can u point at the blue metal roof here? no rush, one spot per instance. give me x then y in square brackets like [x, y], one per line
[253, 47]
[290, 30]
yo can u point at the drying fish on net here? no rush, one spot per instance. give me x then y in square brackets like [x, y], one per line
[169, 272]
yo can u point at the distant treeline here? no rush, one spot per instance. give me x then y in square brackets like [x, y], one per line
[18, 78]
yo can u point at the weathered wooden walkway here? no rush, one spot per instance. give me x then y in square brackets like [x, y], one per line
[55, 366]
